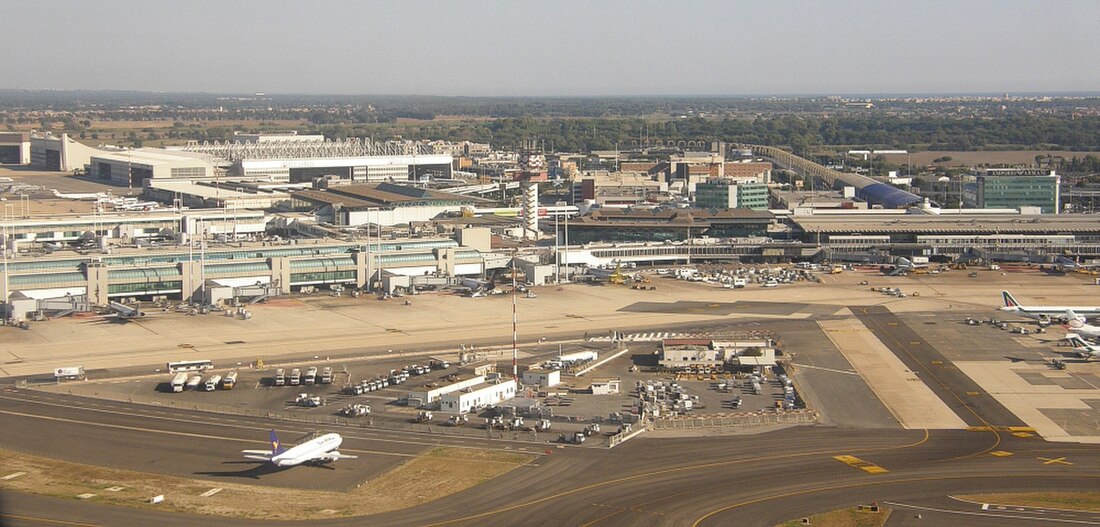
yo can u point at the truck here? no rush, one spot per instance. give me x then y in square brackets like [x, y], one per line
[311, 375]
[326, 375]
[295, 377]
[194, 382]
[212, 383]
[439, 364]
[424, 417]
[178, 382]
[740, 282]
[280, 377]
[230, 380]
[575, 438]
[307, 400]
[355, 410]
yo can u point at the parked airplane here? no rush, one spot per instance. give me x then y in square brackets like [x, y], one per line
[124, 311]
[318, 450]
[82, 197]
[1044, 314]
[1083, 348]
[1075, 325]
[901, 267]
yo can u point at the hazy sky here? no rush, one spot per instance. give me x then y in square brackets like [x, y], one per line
[553, 47]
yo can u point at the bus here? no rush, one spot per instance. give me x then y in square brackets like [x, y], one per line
[190, 365]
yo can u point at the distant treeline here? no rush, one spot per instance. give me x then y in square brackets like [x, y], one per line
[800, 133]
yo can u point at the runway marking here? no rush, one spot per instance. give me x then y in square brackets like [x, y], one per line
[362, 434]
[115, 488]
[987, 513]
[684, 468]
[13, 475]
[865, 466]
[1055, 460]
[86, 496]
[172, 432]
[34, 519]
[210, 492]
[865, 483]
[1000, 453]
[849, 372]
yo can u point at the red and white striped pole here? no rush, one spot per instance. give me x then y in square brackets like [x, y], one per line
[515, 367]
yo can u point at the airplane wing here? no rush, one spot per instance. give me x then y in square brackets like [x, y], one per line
[332, 456]
[262, 455]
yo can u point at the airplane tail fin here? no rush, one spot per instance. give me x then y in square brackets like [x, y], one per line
[1009, 300]
[276, 446]
[1072, 320]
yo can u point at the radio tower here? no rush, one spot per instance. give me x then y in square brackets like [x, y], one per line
[515, 352]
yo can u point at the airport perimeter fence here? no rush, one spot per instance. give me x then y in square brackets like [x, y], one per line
[789, 417]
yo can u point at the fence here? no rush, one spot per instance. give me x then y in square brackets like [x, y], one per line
[736, 420]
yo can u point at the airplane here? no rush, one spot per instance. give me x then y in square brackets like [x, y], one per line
[900, 267]
[318, 450]
[124, 311]
[1082, 347]
[1044, 314]
[1074, 324]
[81, 197]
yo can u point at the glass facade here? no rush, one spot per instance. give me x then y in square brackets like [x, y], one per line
[1013, 192]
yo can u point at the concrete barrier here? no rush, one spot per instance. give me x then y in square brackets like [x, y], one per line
[735, 420]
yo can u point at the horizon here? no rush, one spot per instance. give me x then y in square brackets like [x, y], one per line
[706, 48]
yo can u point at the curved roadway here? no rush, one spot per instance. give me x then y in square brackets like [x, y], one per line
[729, 480]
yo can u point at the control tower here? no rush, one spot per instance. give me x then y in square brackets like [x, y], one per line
[532, 165]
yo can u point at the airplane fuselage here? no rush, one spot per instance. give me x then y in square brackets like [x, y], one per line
[313, 450]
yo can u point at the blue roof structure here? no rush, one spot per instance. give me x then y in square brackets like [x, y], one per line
[888, 196]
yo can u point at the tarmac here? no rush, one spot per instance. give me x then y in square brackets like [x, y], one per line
[977, 373]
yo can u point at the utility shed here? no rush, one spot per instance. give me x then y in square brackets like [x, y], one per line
[605, 386]
[476, 397]
[543, 378]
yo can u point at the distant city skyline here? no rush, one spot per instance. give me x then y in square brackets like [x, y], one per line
[569, 48]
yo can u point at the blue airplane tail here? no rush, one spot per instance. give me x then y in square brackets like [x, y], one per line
[276, 446]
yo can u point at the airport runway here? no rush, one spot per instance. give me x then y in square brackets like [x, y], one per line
[740, 480]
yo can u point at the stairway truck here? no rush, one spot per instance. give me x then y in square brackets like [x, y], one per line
[178, 382]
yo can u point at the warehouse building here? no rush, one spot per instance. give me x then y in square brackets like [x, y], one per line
[132, 168]
[541, 377]
[287, 157]
[15, 148]
[60, 153]
[380, 204]
[609, 225]
[478, 397]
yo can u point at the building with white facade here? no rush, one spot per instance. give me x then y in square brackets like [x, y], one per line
[477, 397]
[132, 168]
[542, 378]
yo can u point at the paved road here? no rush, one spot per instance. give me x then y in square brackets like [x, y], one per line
[742, 480]
[961, 394]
